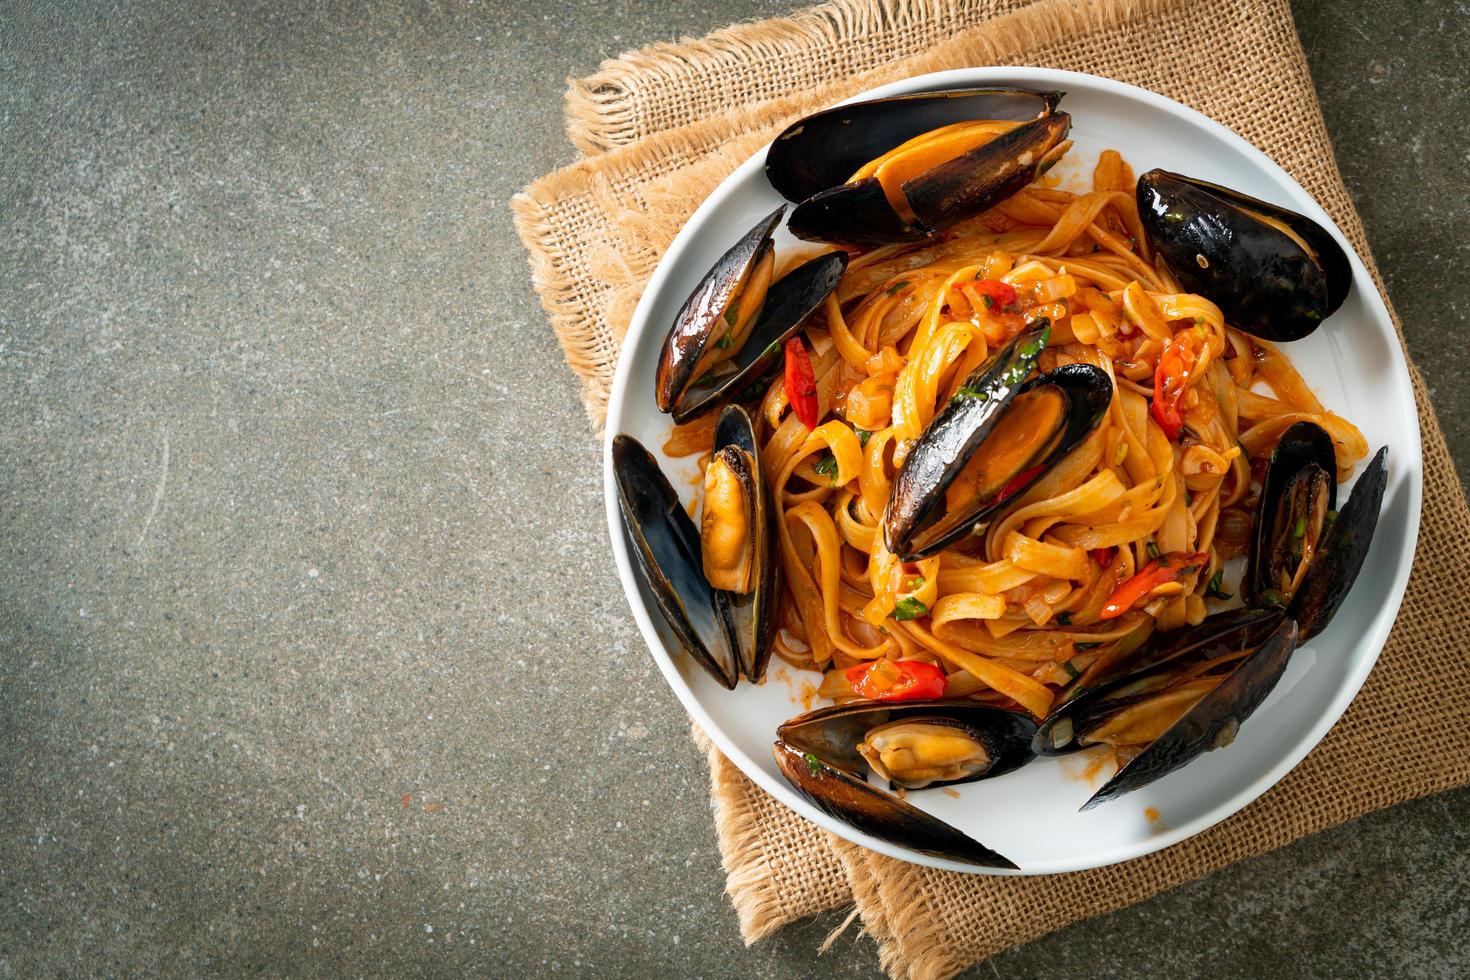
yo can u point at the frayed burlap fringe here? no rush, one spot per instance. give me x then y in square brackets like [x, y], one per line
[665, 86]
[597, 229]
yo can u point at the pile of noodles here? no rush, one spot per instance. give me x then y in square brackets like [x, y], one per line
[1013, 616]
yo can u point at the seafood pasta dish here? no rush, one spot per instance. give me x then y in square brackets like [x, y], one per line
[985, 452]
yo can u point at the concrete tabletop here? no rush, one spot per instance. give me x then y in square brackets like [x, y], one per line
[314, 660]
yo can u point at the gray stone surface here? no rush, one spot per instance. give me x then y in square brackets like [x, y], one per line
[311, 655]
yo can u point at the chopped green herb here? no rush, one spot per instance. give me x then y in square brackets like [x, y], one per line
[813, 764]
[909, 608]
[771, 348]
[1312, 314]
[1072, 672]
[1152, 549]
[988, 300]
[966, 391]
[914, 583]
[1273, 597]
[827, 466]
[897, 286]
[731, 315]
[1299, 529]
[863, 436]
[1065, 618]
[1086, 646]
[724, 342]
[1329, 520]
[1214, 589]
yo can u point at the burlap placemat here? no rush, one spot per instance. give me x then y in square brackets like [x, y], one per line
[663, 126]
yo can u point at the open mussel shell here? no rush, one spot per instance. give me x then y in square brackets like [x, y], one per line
[1061, 408]
[824, 149]
[702, 320]
[1213, 722]
[1297, 493]
[921, 743]
[753, 611]
[1146, 671]
[881, 814]
[859, 213]
[667, 549]
[788, 302]
[1273, 273]
[1342, 551]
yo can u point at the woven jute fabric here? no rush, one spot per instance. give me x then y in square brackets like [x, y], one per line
[661, 127]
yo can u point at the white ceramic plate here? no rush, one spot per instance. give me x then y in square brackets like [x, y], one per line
[1354, 364]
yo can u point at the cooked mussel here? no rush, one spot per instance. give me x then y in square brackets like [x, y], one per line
[871, 810]
[827, 753]
[997, 436]
[737, 539]
[915, 744]
[1306, 553]
[730, 329]
[1186, 693]
[1298, 493]
[1273, 273]
[822, 150]
[666, 546]
[1342, 551]
[900, 169]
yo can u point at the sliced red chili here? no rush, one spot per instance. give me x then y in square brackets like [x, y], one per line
[1016, 483]
[1103, 557]
[1161, 571]
[896, 680]
[801, 383]
[1177, 363]
[994, 294]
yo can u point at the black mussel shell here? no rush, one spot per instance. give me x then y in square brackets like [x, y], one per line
[1213, 722]
[824, 149]
[952, 437]
[858, 213]
[1303, 465]
[834, 733]
[1131, 680]
[788, 303]
[914, 522]
[1342, 551]
[878, 813]
[853, 214]
[1217, 244]
[980, 179]
[754, 613]
[666, 546]
[696, 324]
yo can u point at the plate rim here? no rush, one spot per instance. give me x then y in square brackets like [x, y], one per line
[1409, 457]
